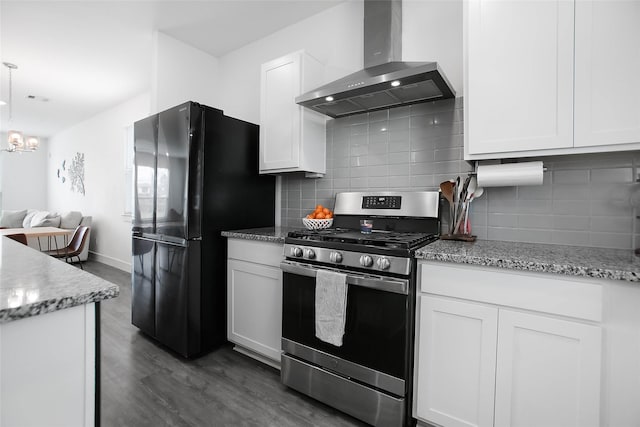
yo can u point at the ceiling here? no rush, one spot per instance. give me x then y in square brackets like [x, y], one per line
[78, 58]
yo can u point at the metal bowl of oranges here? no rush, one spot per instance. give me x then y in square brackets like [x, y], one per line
[319, 219]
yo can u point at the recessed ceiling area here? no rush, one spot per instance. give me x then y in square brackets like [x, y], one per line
[88, 56]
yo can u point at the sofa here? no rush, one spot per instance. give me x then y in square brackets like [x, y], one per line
[38, 218]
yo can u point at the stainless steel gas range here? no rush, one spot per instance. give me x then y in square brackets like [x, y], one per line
[369, 373]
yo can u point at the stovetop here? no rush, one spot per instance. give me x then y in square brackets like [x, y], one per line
[378, 239]
[402, 223]
[379, 252]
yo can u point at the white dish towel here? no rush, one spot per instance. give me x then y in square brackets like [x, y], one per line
[331, 306]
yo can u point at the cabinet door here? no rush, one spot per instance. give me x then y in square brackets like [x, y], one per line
[254, 299]
[455, 362]
[279, 113]
[519, 75]
[607, 109]
[548, 372]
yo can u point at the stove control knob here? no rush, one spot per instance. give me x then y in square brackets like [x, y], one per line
[366, 261]
[383, 263]
[335, 257]
[309, 253]
[296, 252]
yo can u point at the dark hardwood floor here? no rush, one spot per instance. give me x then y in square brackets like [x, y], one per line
[142, 384]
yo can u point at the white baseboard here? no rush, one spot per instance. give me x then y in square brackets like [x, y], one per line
[113, 262]
[258, 357]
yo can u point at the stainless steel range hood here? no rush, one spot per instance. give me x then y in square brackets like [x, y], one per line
[386, 81]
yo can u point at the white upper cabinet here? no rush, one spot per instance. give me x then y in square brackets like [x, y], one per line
[519, 75]
[533, 88]
[607, 58]
[292, 138]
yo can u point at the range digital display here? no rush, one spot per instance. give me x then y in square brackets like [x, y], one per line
[381, 202]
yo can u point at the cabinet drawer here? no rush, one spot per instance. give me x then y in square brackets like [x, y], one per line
[255, 251]
[530, 291]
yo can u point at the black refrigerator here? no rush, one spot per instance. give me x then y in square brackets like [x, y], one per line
[196, 174]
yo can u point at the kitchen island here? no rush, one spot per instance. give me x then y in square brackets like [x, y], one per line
[49, 339]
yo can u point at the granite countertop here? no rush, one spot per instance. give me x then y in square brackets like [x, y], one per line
[32, 283]
[265, 234]
[613, 264]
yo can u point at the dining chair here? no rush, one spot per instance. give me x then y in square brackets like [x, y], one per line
[18, 237]
[75, 246]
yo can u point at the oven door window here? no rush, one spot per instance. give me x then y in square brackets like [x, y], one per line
[375, 330]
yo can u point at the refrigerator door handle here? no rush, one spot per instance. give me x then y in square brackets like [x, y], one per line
[145, 238]
[176, 241]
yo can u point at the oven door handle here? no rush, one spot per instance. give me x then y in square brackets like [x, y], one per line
[388, 284]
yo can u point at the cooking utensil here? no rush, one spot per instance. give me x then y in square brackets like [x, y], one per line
[462, 197]
[460, 204]
[456, 193]
[478, 191]
[471, 190]
[472, 187]
[447, 189]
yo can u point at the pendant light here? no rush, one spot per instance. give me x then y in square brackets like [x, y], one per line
[17, 142]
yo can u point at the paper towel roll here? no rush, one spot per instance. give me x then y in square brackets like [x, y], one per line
[510, 174]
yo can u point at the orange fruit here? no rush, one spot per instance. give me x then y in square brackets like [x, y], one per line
[320, 215]
[310, 216]
[319, 208]
[329, 215]
[326, 211]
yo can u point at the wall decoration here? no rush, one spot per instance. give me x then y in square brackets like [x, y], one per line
[60, 174]
[75, 173]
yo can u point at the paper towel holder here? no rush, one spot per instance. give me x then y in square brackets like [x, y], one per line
[476, 164]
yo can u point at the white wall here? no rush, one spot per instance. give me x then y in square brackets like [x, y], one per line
[102, 140]
[333, 36]
[432, 31]
[181, 73]
[22, 178]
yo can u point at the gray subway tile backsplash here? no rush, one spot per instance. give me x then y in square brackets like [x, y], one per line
[575, 176]
[585, 199]
[612, 175]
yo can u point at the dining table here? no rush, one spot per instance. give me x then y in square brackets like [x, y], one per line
[38, 232]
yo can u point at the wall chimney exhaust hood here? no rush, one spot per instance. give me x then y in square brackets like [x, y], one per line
[386, 81]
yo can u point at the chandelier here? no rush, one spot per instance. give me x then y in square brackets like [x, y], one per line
[17, 142]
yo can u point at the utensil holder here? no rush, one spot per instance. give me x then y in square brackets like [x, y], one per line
[461, 237]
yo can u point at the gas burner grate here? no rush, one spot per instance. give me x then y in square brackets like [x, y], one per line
[386, 239]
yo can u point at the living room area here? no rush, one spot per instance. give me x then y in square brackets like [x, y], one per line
[79, 176]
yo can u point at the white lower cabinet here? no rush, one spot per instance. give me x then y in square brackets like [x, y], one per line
[502, 364]
[548, 372]
[254, 298]
[455, 368]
